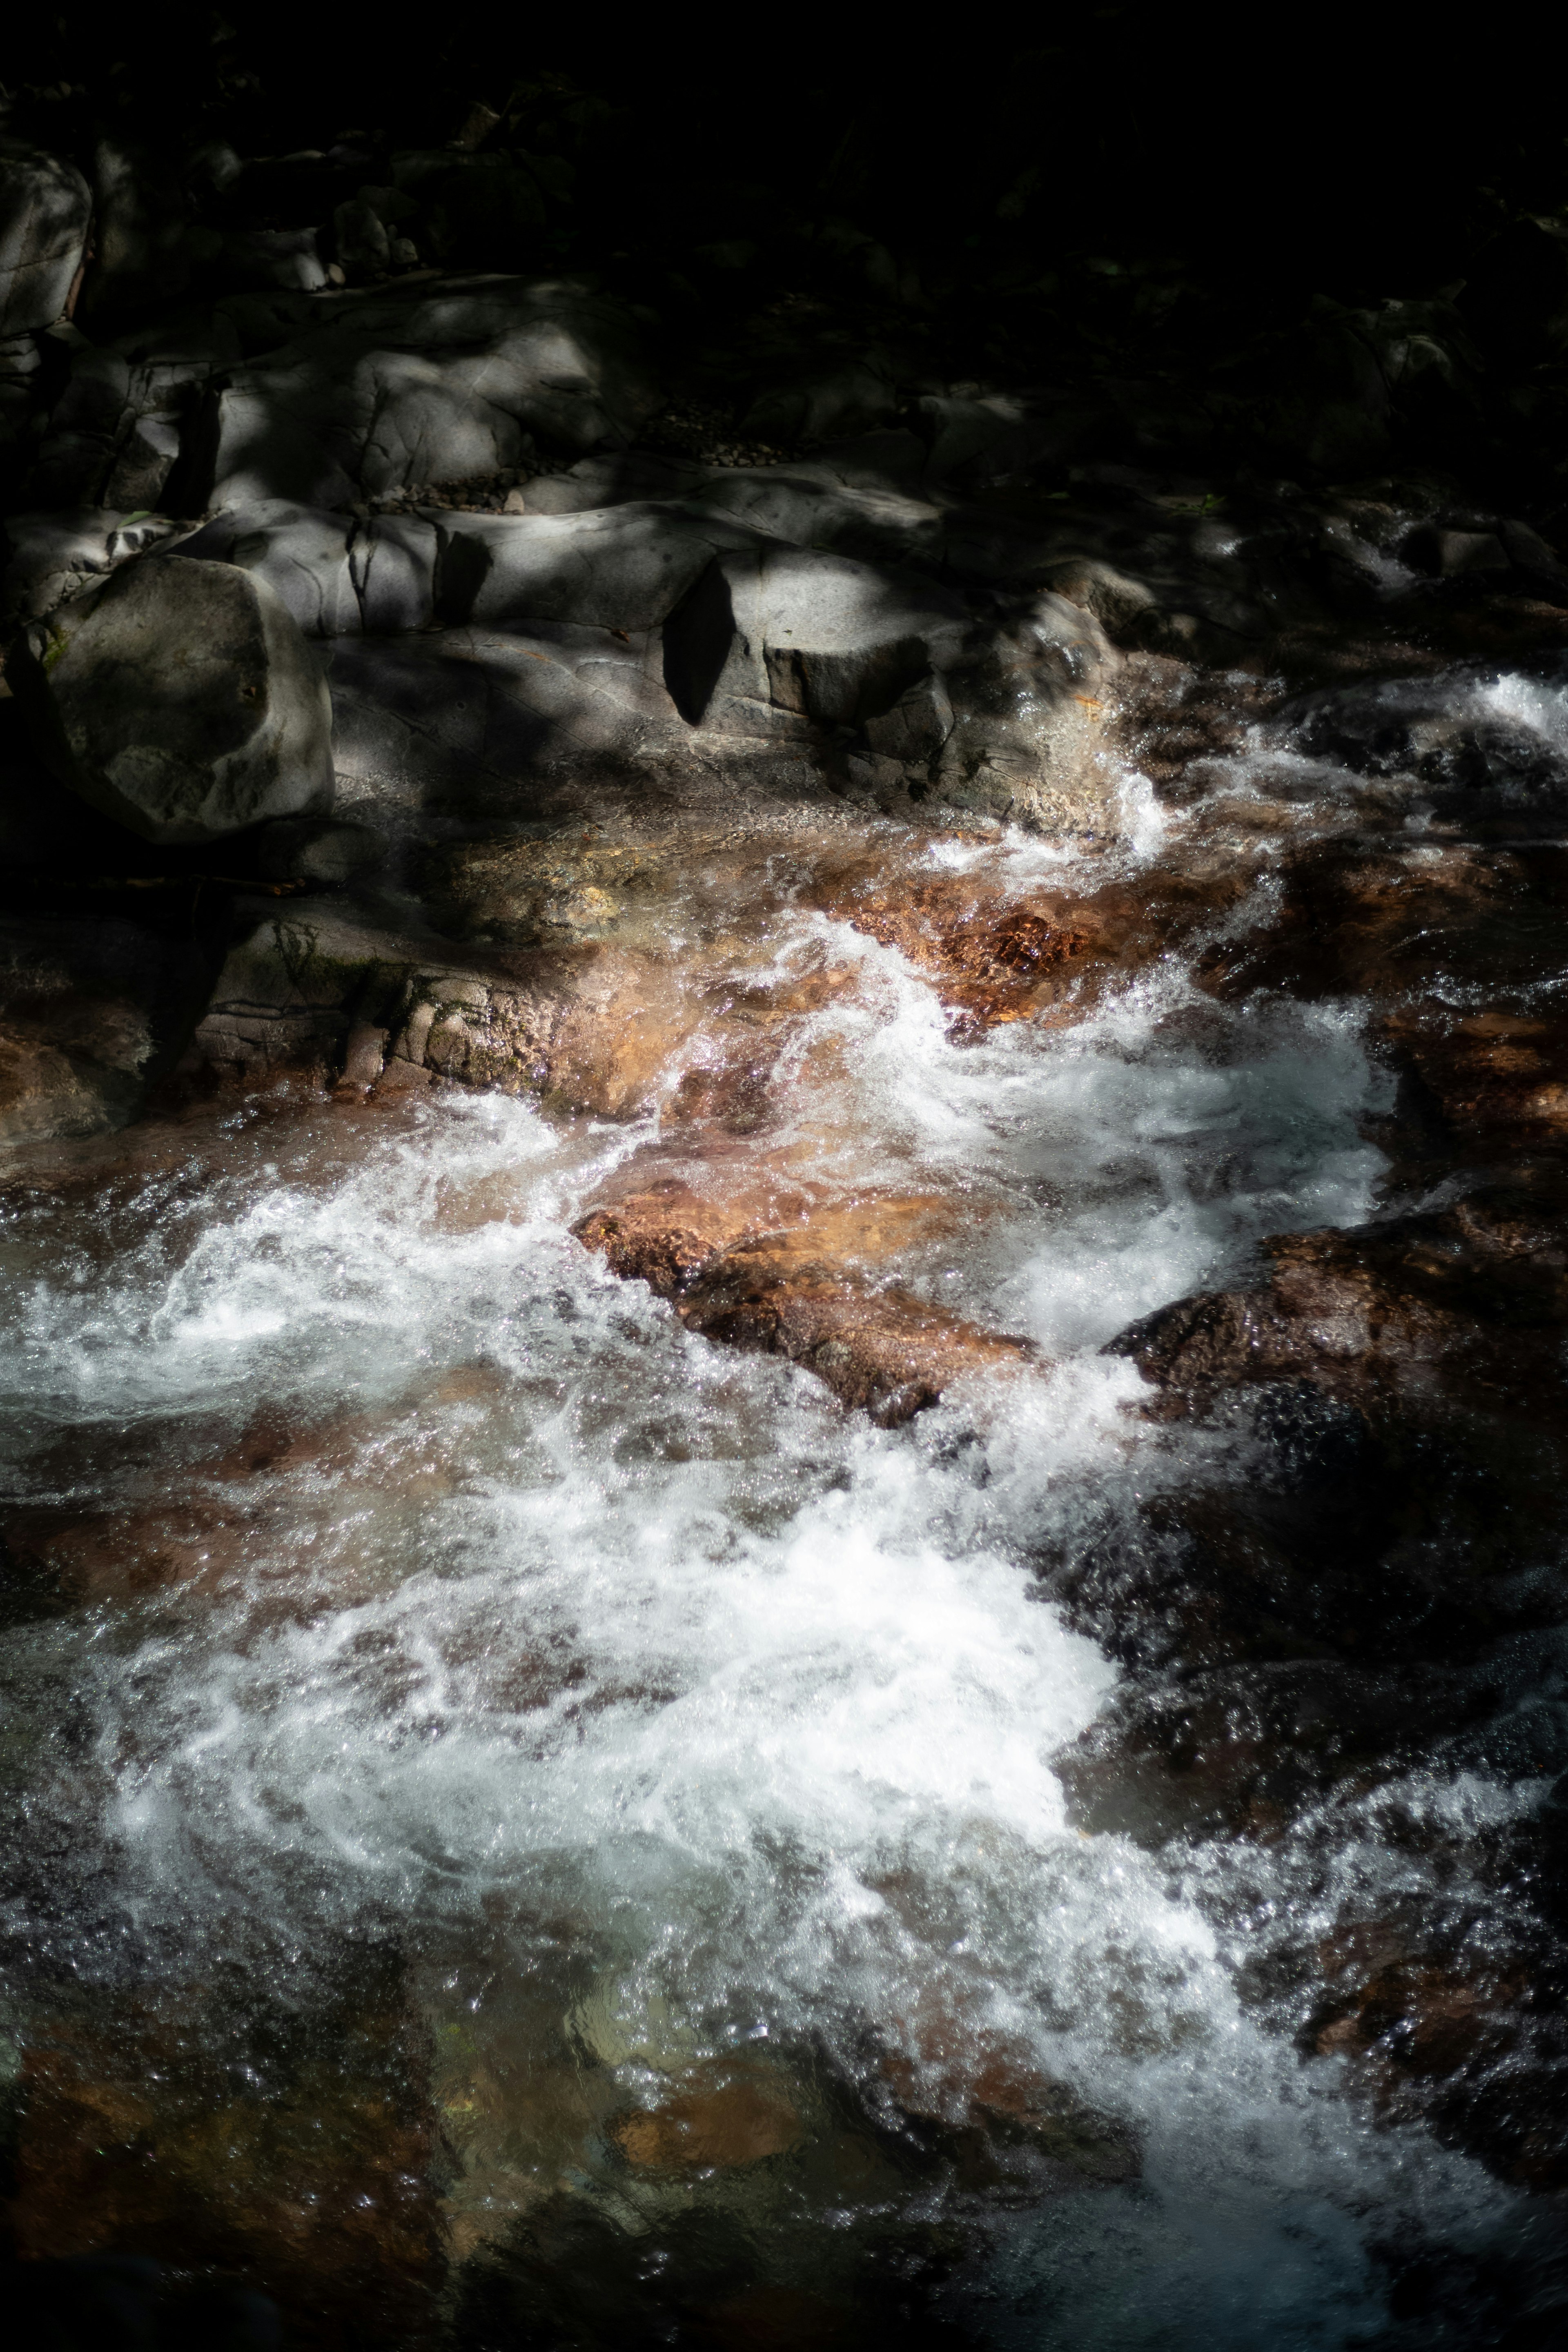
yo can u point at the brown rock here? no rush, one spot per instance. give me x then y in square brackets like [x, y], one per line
[786, 1276]
[992, 2095]
[722, 2115]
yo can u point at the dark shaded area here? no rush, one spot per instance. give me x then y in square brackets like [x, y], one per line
[1142, 207]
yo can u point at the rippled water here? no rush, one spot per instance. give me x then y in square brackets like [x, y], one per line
[573, 1661]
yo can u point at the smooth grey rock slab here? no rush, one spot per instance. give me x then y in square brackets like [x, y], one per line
[339, 575]
[815, 635]
[181, 699]
[473, 721]
[45, 207]
[623, 567]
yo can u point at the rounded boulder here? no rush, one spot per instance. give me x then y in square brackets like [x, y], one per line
[181, 699]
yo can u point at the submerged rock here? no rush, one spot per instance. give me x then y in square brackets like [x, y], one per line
[792, 1277]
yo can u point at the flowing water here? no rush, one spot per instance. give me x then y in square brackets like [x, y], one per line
[493, 1727]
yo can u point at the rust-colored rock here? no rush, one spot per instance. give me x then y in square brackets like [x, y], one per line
[989, 2096]
[798, 1288]
[720, 2114]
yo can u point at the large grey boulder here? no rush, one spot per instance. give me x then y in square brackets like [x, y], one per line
[809, 636]
[1030, 703]
[425, 385]
[180, 698]
[45, 207]
[823, 401]
[983, 437]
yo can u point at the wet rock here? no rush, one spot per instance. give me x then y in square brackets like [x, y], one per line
[181, 699]
[483, 722]
[992, 960]
[45, 207]
[591, 1030]
[1444, 2023]
[815, 636]
[725, 2114]
[1404, 1304]
[303, 2160]
[1007, 2122]
[555, 892]
[57, 1559]
[1239, 1752]
[1026, 743]
[1470, 730]
[790, 1291]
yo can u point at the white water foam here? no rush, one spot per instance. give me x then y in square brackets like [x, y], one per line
[676, 1649]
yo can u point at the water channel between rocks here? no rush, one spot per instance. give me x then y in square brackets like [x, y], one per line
[533, 1804]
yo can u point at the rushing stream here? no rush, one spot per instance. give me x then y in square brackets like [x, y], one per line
[533, 1729]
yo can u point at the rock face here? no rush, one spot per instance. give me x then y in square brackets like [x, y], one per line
[117, 429]
[45, 206]
[623, 567]
[787, 630]
[394, 390]
[337, 575]
[182, 701]
[46, 559]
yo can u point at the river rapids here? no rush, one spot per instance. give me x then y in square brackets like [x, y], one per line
[593, 1839]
